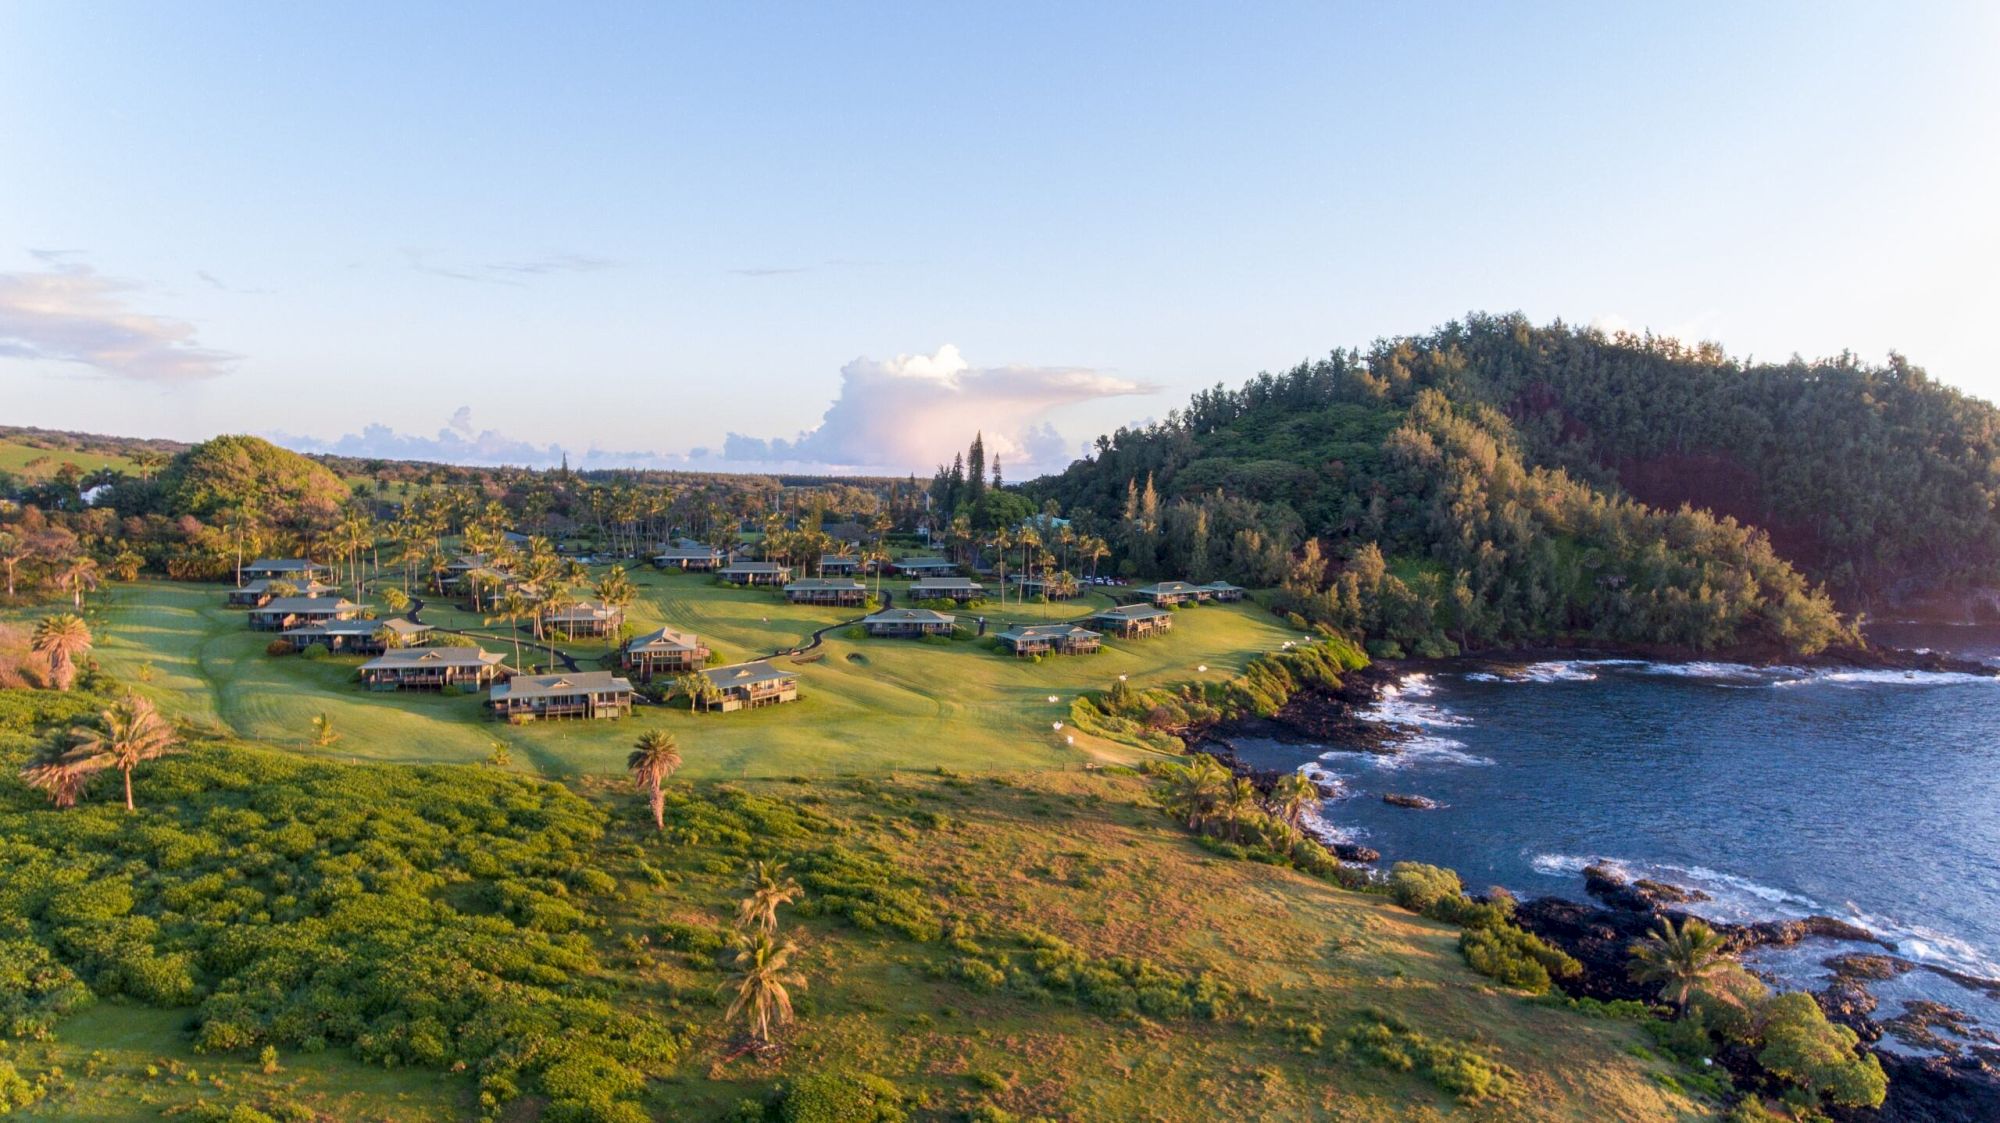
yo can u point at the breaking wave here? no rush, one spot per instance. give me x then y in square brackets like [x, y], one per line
[1401, 707]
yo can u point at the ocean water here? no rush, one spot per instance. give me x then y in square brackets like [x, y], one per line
[1872, 796]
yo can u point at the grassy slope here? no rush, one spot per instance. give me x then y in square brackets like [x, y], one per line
[1081, 855]
[14, 458]
[867, 704]
[107, 1051]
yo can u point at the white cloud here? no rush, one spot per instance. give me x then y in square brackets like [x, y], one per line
[913, 412]
[71, 313]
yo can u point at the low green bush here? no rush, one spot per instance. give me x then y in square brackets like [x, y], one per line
[841, 1097]
[280, 647]
[1386, 1041]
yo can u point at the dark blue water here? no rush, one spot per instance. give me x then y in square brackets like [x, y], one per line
[1870, 796]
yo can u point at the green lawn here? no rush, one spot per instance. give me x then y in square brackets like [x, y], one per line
[867, 705]
[15, 458]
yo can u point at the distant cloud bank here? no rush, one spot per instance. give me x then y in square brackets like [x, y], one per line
[891, 417]
[71, 313]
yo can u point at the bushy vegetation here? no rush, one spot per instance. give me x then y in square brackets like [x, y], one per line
[833, 1096]
[1491, 942]
[1385, 1040]
[1156, 717]
[1044, 966]
[421, 916]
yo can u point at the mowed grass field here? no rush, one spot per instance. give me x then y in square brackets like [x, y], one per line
[867, 705]
[15, 457]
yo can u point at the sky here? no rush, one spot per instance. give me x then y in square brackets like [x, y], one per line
[832, 236]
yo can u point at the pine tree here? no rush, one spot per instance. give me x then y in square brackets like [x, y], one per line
[975, 470]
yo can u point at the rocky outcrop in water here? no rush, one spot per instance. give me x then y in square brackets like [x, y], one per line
[1413, 802]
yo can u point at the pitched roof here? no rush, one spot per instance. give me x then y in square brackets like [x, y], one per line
[844, 584]
[307, 604]
[945, 583]
[665, 639]
[1222, 587]
[413, 658]
[341, 628]
[1049, 631]
[686, 551]
[584, 610]
[1131, 612]
[747, 674]
[756, 567]
[910, 616]
[925, 563]
[263, 585]
[1170, 588]
[284, 564]
[550, 686]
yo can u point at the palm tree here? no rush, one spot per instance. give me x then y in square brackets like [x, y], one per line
[388, 637]
[395, 600]
[615, 588]
[769, 888]
[1001, 543]
[1290, 797]
[1237, 800]
[62, 772]
[77, 574]
[1679, 959]
[763, 981]
[1195, 788]
[130, 733]
[61, 639]
[513, 605]
[654, 758]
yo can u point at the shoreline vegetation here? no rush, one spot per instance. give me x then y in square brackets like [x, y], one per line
[1581, 949]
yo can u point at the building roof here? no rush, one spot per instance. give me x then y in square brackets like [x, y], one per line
[552, 686]
[356, 628]
[263, 585]
[584, 610]
[1222, 587]
[666, 639]
[910, 616]
[756, 567]
[432, 657]
[945, 583]
[308, 604]
[738, 675]
[925, 563]
[1170, 588]
[839, 559]
[843, 584]
[284, 565]
[1021, 632]
[1125, 612]
[402, 626]
[694, 551]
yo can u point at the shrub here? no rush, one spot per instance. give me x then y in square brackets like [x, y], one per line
[15, 1091]
[1421, 888]
[36, 992]
[313, 651]
[1515, 957]
[1803, 1048]
[841, 1097]
[279, 647]
[1385, 1041]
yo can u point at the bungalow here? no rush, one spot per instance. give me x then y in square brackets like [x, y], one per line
[830, 590]
[1047, 639]
[663, 652]
[960, 589]
[574, 694]
[755, 573]
[254, 593]
[360, 635]
[466, 563]
[909, 622]
[1167, 593]
[295, 570]
[839, 565]
[279, 613]
[433, 668]
[926, 567]
[744, 686]
[1129, 621]
[1222, 591]
[689, 557]
[587, 618]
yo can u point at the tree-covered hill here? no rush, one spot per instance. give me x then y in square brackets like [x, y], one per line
[1496, 483]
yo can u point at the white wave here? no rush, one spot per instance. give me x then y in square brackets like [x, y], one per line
[1900, 678]
[1413, 752]
[1731, 898]
[1920, 944]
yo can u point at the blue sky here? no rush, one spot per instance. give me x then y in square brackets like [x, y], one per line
[849, 234]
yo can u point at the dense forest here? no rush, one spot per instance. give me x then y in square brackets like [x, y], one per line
[1497, 483]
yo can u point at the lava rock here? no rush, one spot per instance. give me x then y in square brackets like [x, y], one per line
[1414, 802]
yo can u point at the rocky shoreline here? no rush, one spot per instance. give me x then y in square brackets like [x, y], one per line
[1959, 1083]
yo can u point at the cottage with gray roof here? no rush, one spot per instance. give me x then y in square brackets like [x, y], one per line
[433, 668]
[586, 694]
[838, 565]
[362, 636]
[1129, 621]
[926, 567]
[1222, 591]
[586, 618]
[1164, 594]
[290, 569]
[1050, 639]
[909, 622]
[826, 590]
[250, 594]
[664, 652]
[755, 573]
[279, 613]
[745, 686]
[960, 589]
[689, 557]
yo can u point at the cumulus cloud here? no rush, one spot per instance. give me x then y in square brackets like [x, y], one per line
[458, 441]
[72, 313]
[914, 411]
